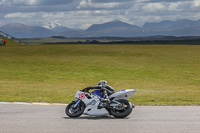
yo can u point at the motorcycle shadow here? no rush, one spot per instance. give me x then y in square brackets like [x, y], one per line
[93, 118]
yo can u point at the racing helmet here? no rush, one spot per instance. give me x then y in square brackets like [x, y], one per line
[102, 82]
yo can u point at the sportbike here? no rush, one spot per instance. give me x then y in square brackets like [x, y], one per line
[90, 104]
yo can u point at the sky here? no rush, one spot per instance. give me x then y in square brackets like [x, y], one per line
[80, 14]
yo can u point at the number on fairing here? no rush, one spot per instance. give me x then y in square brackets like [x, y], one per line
[82, 96]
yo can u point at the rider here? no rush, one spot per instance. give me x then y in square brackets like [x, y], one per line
[106, 90]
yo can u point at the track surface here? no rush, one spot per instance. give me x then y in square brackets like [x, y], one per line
[144, 119]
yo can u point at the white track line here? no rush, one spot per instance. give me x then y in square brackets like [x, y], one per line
[15, 103]
[23, 103]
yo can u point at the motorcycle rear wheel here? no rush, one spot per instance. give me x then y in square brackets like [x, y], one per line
[124, 112]
[74, 112]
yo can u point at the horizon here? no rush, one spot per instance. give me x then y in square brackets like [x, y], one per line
[81, 14]
[99, 23]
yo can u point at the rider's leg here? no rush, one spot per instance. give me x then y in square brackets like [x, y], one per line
[105, 99]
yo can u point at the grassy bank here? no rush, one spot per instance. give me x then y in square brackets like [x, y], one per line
[161, 74]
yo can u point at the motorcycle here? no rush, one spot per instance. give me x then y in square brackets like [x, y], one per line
[90, 104]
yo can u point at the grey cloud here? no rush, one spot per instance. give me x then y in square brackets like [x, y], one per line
[105, 5]
[135, 1]
[80, 13]
[42, 6]
[110, 1]
[55, 2]
[39, 2]
[152, 1]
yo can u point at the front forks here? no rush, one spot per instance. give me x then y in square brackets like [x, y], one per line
[77, 102]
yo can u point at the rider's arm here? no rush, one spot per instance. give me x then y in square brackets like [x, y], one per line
[92, 87]
[110, 88]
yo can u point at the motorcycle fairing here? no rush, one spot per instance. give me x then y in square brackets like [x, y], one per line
[123, 94]
[91, 102]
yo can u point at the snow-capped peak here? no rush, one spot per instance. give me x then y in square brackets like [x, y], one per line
[50, 25]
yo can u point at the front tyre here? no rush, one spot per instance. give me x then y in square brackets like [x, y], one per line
[72, 111]
[122, 110]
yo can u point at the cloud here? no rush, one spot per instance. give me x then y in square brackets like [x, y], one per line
[40, 2]
[25, 2]
[2, 2]
[83, 13]
[19, 15]
[89, 4]
[110, 1]
[26, 6]
[196, 4]
[153, 7]
[153, 1]
[180, 6]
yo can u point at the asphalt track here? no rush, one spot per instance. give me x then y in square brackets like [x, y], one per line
[28, 118]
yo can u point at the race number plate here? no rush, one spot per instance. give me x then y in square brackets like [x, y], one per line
[82, 96]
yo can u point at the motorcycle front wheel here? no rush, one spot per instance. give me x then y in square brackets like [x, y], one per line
[123, 110]
[73, 111]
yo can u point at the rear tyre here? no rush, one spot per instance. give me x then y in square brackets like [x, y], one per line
[71, 111]
[122, 110]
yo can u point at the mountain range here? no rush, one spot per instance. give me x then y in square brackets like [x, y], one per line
[182, 27]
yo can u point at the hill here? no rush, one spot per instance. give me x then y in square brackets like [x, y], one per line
[24, 31]
[10, 42]
[181, 27]
[114, 28]
[111, 25]
[172, 25]
[60, 29]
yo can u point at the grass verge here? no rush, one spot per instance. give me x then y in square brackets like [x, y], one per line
[161, 74]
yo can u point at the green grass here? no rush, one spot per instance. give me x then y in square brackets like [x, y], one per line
[10, 42]
[161, 74]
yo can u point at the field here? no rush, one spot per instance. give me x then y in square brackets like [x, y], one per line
[161, 74]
